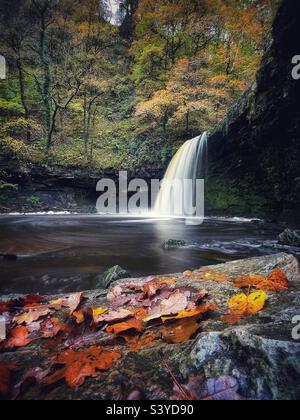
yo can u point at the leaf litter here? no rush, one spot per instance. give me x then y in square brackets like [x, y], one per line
[83, 338]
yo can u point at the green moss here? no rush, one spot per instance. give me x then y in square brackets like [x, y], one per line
[227, 197]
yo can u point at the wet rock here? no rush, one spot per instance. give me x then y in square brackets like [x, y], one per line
[111, 275]
[261, 354]
[290, 237]
[9, 257]
[173, 244]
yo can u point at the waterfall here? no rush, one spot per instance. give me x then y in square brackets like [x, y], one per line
[190, 163]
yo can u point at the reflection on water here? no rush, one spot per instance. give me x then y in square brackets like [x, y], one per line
[67, 253]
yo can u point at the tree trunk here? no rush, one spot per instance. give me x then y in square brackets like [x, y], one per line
[187, 121]
[46, 83]
[23, 95]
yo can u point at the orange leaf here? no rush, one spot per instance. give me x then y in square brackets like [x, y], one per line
[138, 343]
[82, 364]
[181, 331]
[19, 338]
[135, 325]
[275, 282]
[140, 313]
[79, 316]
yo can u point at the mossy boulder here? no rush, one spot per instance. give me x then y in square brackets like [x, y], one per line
[111, 275]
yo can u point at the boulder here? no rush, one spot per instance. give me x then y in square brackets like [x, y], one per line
[111, 275]
[290, 237]
[259, 356]
[173, 244]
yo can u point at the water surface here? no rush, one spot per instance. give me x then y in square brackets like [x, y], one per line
[68, 252]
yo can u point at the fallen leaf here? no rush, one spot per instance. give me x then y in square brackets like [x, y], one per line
[32, 315]
[138, 343]
[140, 313]
[181, 331]
[200, 296]
[241, 306]
[208, 275]
[195, 313]
[187, 274]
[32, 300]
[82, 364]
[152, 287]
[113, 316]
[98, 312]
[177, 302]
[6, 370]
[51, 327]
[134, 325]
[71, 302]
[115, 293]
[223, 388]
[275, 282]
[79, 316]
[19, 337]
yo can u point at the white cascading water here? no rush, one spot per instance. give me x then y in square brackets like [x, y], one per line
[189, 163]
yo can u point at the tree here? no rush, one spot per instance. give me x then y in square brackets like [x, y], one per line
[15, 34]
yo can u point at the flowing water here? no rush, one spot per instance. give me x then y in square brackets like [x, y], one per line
[68, 252]
[189, 163]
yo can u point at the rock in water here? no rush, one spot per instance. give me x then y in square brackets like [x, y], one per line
[173, 244]
[111, 275]
[290, 237]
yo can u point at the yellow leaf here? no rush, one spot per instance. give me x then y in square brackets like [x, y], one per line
[99, 311]
[242, 305]
[57, 302]
[256, 301]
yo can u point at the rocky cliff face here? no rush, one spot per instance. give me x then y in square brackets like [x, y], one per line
[255, 152]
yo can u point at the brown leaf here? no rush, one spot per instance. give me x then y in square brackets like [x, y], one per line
[51, 327]
[82, 364]
[71, 302]
[32, 315]
[152, 287]
[113, 316]
[223, 388]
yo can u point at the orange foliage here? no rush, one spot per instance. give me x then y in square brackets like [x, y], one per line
[82, 364]
[275, 282]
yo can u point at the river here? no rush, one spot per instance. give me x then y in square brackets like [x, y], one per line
[65, 253]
